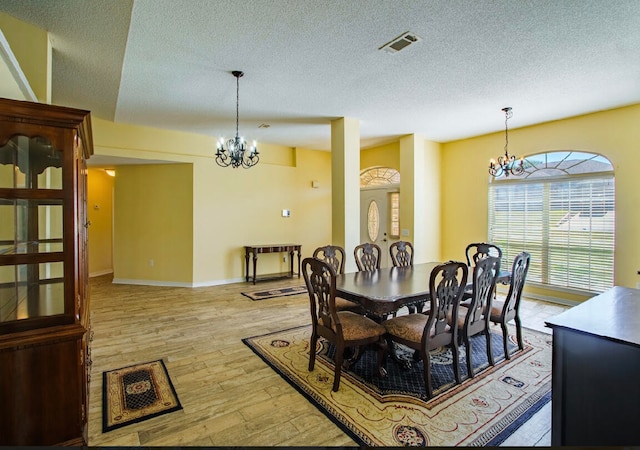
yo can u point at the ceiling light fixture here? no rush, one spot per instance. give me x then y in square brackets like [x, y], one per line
[507, 164]
[235, 155]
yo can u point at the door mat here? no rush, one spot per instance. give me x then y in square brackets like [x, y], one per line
[263, 294]
[136, 393]
[391, 412]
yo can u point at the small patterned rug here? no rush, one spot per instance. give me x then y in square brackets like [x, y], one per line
[394, 411]
[263, 294]
[136, 393]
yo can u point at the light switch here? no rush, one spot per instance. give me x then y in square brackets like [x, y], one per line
[286, 213]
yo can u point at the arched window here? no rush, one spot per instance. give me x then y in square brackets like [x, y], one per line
[379, 176]
[561, 211]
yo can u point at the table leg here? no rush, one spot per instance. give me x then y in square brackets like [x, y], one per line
[255, 261]
[246, 264]
[291, 263]
[299, 264]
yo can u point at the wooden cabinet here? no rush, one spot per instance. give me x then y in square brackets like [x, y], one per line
[44, 300]
[596, 367]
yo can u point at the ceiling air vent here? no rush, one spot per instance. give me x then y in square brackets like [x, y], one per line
[401, 42]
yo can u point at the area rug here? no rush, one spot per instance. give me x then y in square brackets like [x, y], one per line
[263, 294]
[481, 411]
[136, 393]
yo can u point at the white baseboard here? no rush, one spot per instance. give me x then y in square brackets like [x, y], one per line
[176, 283]
[100, 273]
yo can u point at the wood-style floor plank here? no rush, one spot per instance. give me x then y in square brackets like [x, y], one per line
[230, 397]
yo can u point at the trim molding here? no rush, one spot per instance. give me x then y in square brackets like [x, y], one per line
[100, 273]
[175, 283]
[14, 67]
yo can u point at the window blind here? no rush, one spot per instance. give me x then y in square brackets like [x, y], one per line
[566, 224]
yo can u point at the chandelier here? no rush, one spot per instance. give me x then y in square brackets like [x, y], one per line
[235, 154]
[507, 164]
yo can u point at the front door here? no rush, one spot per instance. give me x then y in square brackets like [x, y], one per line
[374, 219]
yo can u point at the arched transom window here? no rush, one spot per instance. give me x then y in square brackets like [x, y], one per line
[561, 211]
[378, 176]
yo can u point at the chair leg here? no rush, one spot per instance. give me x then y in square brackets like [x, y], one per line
[505, 340]
[382, 357]
[426, 361]
[456, 362]
[467, 344]
[487, 333]
[312, 351]
[338, 369]
[519, 332]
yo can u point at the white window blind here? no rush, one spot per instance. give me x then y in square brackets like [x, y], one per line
[566, 223]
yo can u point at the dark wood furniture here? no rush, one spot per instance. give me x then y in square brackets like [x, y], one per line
[255, 250]
[503, 311]
[474, 317]
[596, 371]
[45, 357]
[429, 331]
[367, 256]
[401, 253]
[383, 291]
[334, 255]
[345, 329]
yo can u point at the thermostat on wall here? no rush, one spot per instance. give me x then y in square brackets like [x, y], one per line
[286, 213]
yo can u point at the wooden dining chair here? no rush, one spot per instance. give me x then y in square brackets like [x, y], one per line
[344, 329]
[431, 330]
[504, 311]
[401, 253]
[474, 318]
[334, 255]
[476, 251]
[367, 257]
[481, 250]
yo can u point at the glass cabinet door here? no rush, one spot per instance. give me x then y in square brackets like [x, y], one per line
[32, 252]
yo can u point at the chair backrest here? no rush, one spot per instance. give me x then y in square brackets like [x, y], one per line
[320, 279]
[446, 286]
[480, 250]
[333, 255]
[367, 257]
[519, 272]
[485, 273]
[401, 253]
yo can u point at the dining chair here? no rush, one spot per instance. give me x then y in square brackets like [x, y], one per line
[344, 329]
[474, 318]
[401, 256]
[431, 330]
[476, 251]
[480, 250]
[401, 253]
[367, 257]
[504, 311]
[334, 255]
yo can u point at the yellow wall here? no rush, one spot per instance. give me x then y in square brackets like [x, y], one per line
[387, 155]
[32, 49]
[100, 214]
[230, 208]
[153, 223]
[614, 134]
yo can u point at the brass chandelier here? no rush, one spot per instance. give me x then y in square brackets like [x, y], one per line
[235, 154]
[506, 164]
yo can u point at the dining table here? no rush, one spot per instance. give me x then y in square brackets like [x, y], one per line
[383, 291]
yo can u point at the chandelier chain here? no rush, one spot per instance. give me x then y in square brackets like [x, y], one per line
[506, 164]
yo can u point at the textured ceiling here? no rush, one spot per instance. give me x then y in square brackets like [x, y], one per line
[167, 63]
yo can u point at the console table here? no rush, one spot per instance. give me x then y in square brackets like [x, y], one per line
[595, 371]
[271, 248]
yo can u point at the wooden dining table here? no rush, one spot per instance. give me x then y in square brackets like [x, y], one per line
[384, 291]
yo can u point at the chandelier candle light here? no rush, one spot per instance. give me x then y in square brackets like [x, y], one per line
[507, 164]
[235, 155]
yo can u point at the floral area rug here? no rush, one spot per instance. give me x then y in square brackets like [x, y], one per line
[394, 411]
[136, 393]
[262, 294]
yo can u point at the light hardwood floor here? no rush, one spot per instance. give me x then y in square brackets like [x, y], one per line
[230, 397]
